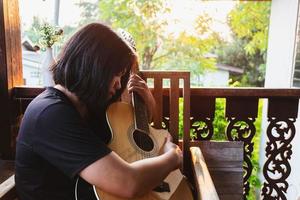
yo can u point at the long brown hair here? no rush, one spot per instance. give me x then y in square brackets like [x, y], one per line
[90, 60]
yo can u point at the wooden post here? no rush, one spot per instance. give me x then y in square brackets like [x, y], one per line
[10, 71]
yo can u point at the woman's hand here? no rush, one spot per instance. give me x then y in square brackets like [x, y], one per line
[138, 85]
[170, 146]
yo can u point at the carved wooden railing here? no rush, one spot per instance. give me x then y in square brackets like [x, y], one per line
[241, 112]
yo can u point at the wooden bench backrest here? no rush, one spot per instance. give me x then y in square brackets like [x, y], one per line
[167, 105]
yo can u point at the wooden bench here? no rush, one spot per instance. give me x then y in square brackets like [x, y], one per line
[7, 180]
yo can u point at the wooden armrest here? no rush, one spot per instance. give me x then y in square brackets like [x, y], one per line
[7, 189]
[204, 184]
[7, 180]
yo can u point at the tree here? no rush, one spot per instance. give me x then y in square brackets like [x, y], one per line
[187, 52]
[32, 32]
[141, 19]
[146, 22]
[89, 12]
[249, 22]
[234, 54]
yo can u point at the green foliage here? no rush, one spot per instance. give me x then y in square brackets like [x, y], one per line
[180, 134]
[32, 32]
[255, 184]
[235, 55]
[186, 52]
[49, 35]
[142, 19]
[89, 12]
[158, 50]
[249, 22]
[220, 122]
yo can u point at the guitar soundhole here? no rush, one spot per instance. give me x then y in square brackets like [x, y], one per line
[143, 140]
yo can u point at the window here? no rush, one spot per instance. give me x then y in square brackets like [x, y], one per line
[68, 15]
[197, 36]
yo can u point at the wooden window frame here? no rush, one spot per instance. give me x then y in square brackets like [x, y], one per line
[10, 72]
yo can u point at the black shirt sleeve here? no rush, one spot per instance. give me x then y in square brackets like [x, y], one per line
[65, 141]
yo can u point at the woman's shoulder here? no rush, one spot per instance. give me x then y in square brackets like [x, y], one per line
[50, 102]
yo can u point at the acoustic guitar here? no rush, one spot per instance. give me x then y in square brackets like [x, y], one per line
[134, 139]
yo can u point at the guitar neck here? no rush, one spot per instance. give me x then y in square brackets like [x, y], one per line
[140, 113]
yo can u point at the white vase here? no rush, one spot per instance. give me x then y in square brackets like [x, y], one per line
[48, 60]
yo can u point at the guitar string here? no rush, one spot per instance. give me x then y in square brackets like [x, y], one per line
[144, 154]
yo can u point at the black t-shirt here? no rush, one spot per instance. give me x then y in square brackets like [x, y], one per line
[54, 144]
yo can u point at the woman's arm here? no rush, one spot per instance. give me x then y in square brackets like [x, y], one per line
[129, 180]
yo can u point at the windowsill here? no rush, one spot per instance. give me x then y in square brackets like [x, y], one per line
[27, 91]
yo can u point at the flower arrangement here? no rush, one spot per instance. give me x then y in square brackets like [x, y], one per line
[49, 35]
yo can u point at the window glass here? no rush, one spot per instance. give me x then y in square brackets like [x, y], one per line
[66, 15]
[296, 77]
[220, 42]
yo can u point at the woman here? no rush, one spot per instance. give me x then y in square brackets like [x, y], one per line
[64, 134]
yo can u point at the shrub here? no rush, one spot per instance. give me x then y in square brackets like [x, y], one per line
[49, 35]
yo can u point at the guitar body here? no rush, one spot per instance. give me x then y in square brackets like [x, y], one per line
[129, 146]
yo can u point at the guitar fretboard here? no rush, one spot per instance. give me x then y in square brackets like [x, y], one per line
[140, 111]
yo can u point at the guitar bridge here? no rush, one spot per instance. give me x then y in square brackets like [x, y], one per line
[162, 187]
